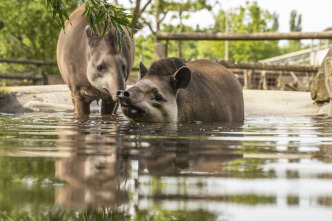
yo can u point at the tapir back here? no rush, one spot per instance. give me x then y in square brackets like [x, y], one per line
[214, 94]
[72, 49]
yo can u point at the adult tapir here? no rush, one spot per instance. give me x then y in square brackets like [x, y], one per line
[174, 91]
[91, 66]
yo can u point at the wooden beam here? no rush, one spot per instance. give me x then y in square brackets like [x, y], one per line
[35, 62]
[194, 36]
[29, 76]
[268, 66]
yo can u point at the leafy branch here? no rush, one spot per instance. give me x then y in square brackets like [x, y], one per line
[100, 16]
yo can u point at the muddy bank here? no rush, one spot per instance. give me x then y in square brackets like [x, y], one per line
[55, 98]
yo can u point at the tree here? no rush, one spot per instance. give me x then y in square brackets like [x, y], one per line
[97, 11]
[29, 32]
[248, 19]
[152, 15]
[295, 26]
[295, 21]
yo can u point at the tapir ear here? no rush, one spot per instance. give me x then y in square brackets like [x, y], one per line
[92, 37]
[142, 70]
[181, 78]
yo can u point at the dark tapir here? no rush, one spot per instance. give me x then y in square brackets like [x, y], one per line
[91, 66]
[172, 91]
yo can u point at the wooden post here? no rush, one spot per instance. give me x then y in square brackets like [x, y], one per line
[159, 51]
[247, 78]
[39, 73]
[262, 81]
[296, 80]
[279, 85]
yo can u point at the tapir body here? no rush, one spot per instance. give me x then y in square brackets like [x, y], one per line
[174, 91]
[92, 66]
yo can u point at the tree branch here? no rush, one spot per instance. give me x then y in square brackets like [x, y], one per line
[136, 14]
[150, 27]
[145, 6]
[162, 19]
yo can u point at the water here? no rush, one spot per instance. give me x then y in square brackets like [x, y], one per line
[58, 167]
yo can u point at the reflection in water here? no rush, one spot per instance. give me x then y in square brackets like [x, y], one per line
[269, 168]
[94, 171]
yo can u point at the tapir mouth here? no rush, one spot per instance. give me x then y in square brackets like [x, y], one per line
[130, 110]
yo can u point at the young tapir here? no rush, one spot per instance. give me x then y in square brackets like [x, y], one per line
[91, 66]
[174, 91]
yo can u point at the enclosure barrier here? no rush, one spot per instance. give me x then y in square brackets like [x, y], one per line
[275, 72]
[249, 67]
[34, 76]
[194, 36]
[249, 70]
[268, 66]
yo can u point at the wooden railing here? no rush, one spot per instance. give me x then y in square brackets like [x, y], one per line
[194, 36]
[34, 76]
[247, 71]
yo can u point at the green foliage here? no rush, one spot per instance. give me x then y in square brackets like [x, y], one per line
[29, 32]
[248, 19]
[100, 15]
[163, 215]
[3, 89]
[57, 9]
[189, 48]
[100, 12]
[295, 26]
[295, 21]
[56, 213]
[144, 49]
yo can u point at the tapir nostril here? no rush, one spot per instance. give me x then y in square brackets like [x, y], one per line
[118, 93]
[126, 94]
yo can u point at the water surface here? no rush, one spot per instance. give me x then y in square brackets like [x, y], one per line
[56, 166]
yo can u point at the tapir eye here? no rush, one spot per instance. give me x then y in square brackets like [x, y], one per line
[158, 98]
[100, 68]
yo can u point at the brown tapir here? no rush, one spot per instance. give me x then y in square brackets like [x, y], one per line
[91, 66]
[174, 91]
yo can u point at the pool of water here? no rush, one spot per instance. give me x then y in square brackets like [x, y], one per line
[54, 166]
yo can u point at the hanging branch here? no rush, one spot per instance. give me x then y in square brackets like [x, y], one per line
[97, 12]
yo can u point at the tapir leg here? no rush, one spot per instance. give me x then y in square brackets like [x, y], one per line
[82, 107]
[108, 107]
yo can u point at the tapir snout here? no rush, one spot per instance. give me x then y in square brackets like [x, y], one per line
[121, 94]
[124, 97]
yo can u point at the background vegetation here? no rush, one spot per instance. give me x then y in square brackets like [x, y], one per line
[30, 31]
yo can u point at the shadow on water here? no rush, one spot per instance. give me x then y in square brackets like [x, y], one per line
[105, 168]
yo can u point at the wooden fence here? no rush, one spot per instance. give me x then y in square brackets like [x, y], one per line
[34, 76]
[256, 75]
[252, 75]
[243, 36]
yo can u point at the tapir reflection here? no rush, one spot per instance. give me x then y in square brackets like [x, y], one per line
[95, 175]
